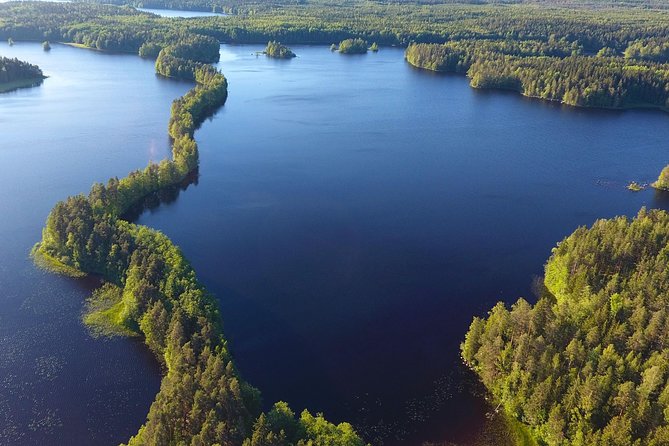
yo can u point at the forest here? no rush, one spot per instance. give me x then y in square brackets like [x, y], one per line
[15, 73]
[125, 29]
[662, 182]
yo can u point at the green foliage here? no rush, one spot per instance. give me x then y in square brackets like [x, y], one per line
[149, 50]
[585, 365]
[14, 70]
[154, 289]
[589, 367]
[317, 21]
[459, 56]
[279, 427]
[662, 182]
[320, 432]
[49, 263]
[105, 27]
[635, 187]
[549, 71]
[103, 314]
[353, 46]
[655, 49]
[277, 50]
[607, 52]
[374, 48]
[46, 46]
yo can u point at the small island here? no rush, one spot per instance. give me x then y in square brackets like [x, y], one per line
[353, 46]
[278, 51]
[635, 187]
[46, 46]
[15, 73]
[662, 182]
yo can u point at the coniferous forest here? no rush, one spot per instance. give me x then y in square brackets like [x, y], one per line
[15, 73]
[586, 364]
[15, 70]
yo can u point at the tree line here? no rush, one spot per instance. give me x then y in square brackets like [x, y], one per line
[391, 23]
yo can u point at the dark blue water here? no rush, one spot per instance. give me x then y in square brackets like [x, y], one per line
[353, 214]
[94, 117]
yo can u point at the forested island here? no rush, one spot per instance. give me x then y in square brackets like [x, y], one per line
[15, 74]
[352, 46]
[278, 51]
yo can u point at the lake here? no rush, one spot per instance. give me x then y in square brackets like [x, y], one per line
[352, 215]
[178, 13]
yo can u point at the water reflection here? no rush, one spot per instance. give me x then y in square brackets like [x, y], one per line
[661, 199]
[163, 197]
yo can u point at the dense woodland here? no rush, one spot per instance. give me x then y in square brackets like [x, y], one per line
[107, 27]
[588, 364]
[152, 291]
[13, 70]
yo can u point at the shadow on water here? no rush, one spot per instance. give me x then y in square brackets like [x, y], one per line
[661, 199]
[163, 197]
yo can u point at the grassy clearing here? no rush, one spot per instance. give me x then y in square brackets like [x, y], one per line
[52, 264]
[520, 433]
[502, 429]
[103, 313]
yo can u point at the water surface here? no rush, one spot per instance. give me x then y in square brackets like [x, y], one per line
[172, 13]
